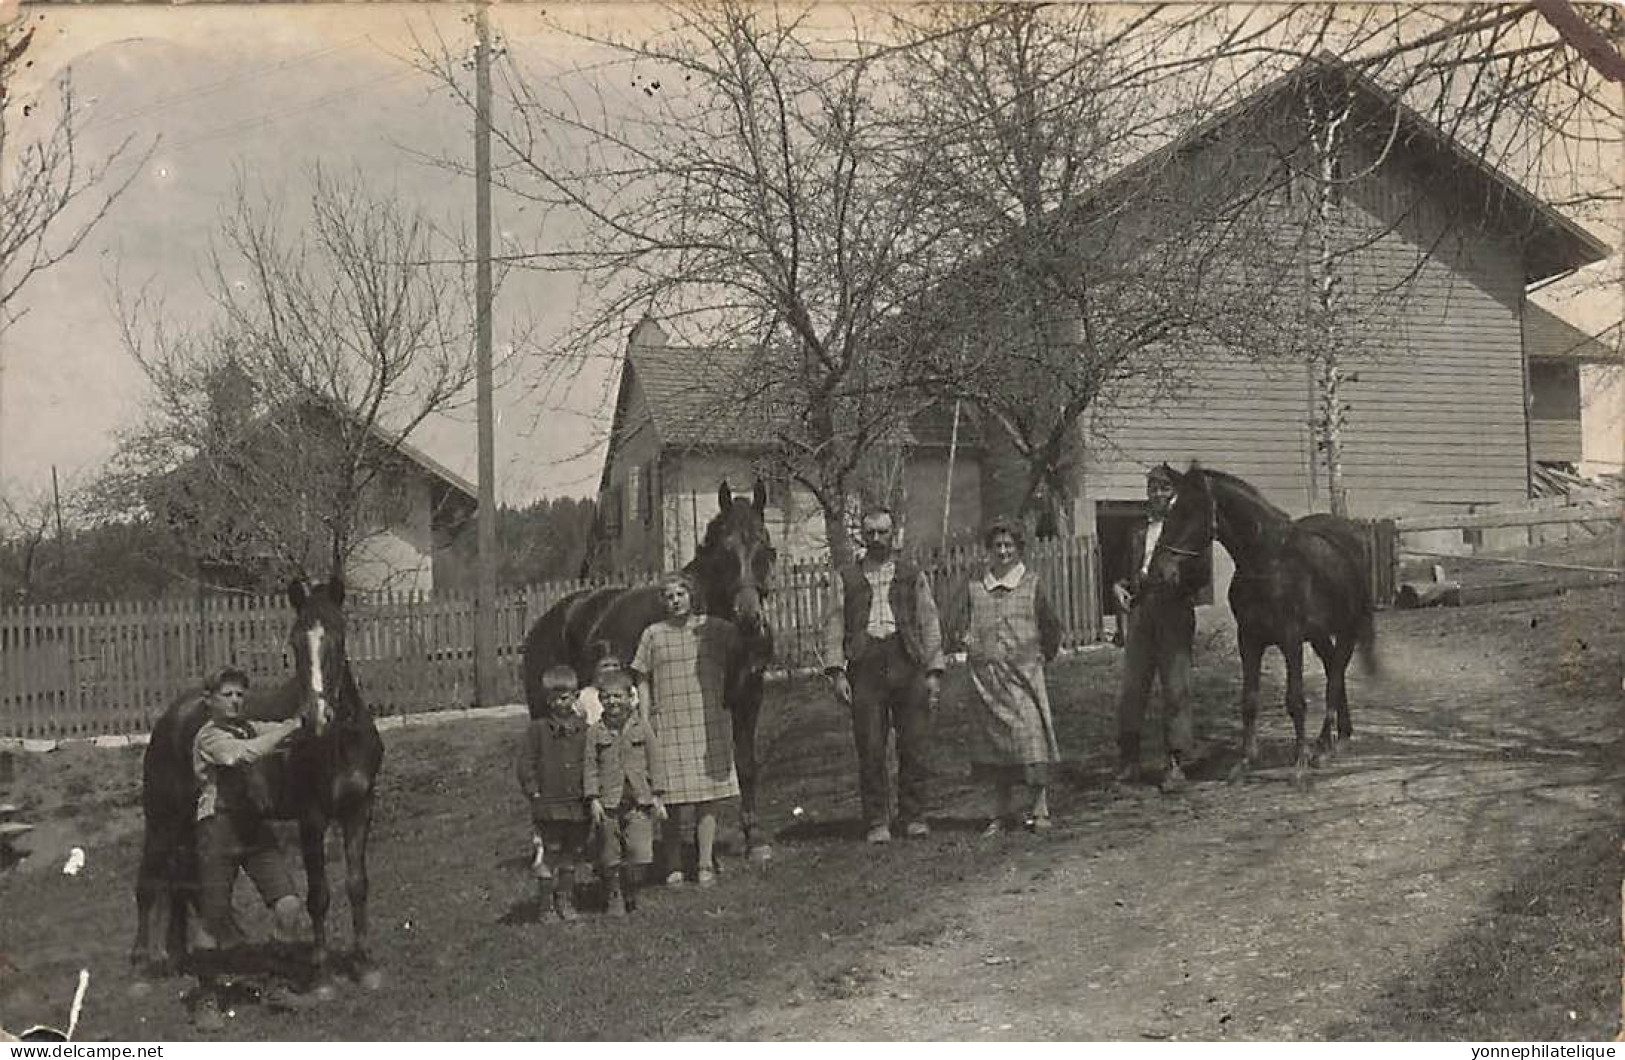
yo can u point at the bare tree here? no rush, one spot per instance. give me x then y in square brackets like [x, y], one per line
[51, 197]
[274, 430]
[1522, 89]
[1093, 267]
[25, 525]
[747, 192]
[1053, 126]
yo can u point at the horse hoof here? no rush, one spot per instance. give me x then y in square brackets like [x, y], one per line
[371, 979]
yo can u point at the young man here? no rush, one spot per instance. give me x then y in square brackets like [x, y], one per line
[232, 833]
[1161, 624]
[883, 653]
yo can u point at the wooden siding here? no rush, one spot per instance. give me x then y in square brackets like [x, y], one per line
[1556, 441]
[925, 482]
[1437, 410]
[688, 500]
[631, 473]
[1246, 418]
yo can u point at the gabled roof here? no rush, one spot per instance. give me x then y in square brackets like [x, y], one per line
[720, 398]
[701, 396]
[390, 440]
[1548, 337]
[1553, 244]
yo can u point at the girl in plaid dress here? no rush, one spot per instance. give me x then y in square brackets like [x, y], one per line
[682, 664]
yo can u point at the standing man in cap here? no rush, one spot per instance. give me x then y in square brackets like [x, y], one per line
[883, 654]
[1157, 642]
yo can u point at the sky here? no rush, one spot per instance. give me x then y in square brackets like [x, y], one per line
[270, 91]
[214, 90]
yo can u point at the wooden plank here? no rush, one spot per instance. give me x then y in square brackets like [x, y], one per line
[1492, 519]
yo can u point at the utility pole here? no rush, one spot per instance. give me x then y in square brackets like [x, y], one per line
[61, 545]
[485, 616]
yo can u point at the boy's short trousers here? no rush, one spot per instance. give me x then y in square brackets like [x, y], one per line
[225, 843]
[563, 841]
[628, 835]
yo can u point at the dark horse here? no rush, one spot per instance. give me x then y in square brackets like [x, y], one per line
[730, 572]
[1297, 581]
[327, 774]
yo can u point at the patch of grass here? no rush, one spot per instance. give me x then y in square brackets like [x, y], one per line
[1543, 966]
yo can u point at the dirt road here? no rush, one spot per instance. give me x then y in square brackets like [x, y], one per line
[1486, 768]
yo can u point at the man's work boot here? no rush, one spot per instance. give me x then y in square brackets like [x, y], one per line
[1174, 779]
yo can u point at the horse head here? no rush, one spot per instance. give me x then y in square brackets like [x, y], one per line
[317, 640]
[1188, 526]
[735, 561]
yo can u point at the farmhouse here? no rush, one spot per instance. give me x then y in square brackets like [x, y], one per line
[680, 432]
[410, 520]
[1558, 354]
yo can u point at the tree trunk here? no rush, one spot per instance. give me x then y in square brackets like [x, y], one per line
[836, 534]
[1331, 410]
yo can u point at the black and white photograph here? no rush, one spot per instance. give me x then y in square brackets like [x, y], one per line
[715, 520]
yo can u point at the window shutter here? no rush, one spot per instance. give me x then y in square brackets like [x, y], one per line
[646, 500]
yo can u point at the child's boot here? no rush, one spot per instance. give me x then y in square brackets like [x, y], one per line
[564, 898]
[633, 880]
[544, 897]
[615, 904]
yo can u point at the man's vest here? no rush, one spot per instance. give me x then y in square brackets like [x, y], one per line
[904, 608]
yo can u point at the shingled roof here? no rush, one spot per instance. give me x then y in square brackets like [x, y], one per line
[1548, 337]
[721, 397]
[702, 396]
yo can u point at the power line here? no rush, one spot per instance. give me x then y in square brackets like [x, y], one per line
[211, 87]
[259, 121]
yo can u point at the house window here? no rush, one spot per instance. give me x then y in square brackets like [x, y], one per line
[609, 507]
[634, 493]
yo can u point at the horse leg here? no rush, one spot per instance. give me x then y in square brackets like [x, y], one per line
[1297, 707]
[1252, 660]
[312, 840]
[745, 714]
[357, 823]
[1347, 644]
[154, 889]
[1325, 744]
[1337, 689]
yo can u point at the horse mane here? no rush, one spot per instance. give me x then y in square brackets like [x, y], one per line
[1246, 492]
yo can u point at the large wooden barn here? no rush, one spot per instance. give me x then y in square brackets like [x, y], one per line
[1449, 409]
[1460, 390]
